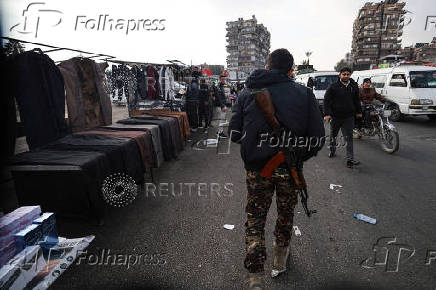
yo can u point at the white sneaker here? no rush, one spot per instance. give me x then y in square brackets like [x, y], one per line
[281, 255]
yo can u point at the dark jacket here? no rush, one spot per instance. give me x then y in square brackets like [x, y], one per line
[296, 110]
[368, 95]
[204, 92]
[193, 92]
[341, 101]
[220, 96]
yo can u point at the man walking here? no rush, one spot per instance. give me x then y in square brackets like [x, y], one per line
[193, 103]
[296, 111]
[205, 98]
[220, 106]
[341, 106]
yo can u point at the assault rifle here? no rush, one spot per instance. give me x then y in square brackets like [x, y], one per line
[291, 155]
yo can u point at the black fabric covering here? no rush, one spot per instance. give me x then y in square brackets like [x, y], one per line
[122, 153]
[75, 192]
[175, 132]
[38, 87]
[8, 117]
[168, 146]
[65, 192]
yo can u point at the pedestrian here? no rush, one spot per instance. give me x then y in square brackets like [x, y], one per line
[341, 106]
[220, 106]
[233, 94]
[193, 103]
[205, 102]
[297, 111]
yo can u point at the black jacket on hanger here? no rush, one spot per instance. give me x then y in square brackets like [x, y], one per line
[38, 87]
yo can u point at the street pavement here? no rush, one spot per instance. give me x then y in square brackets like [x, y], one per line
[184, 245]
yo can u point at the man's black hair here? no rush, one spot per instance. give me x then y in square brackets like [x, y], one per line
[281, 59]
[365, 80]
[344, 69]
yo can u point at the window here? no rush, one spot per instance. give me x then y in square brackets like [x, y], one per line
[322, 82]
[398, 80]
[423, 79]
[378, 81]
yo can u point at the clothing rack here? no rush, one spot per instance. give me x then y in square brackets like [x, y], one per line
[172, 104]
[132, 63]
[57, 48]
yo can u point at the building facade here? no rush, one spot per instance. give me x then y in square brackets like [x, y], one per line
[248, 44]
[377, 32]
[426, 52]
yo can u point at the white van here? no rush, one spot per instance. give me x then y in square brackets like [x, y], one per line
[411, 87]
[318, 81]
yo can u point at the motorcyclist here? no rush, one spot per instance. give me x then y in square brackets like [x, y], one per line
[368, 96]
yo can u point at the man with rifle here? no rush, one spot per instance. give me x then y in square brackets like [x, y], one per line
[271, 113]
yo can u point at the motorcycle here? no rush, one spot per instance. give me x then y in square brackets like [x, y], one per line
[376, 122]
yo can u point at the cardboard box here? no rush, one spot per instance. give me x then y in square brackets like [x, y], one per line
[12, 223]
[49, 229]
[18, 272]
[30, 236]
[8, 252]
[18, 219]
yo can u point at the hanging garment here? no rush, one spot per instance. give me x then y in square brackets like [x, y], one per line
[131, 85]
[153, 88]
[38, 87]
[168, 146]
[142, 138]
[163, 82]
[141, 83]
[171, 89]
[158, 157]
[88, 104]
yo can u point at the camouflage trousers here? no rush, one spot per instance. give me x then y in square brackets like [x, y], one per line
[259, 198]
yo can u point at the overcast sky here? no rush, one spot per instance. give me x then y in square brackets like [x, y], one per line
[195, 30]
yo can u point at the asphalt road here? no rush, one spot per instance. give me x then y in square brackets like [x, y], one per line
[184, 235]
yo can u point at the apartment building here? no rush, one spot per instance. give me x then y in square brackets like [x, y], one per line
[377, 32]
[248, 45]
